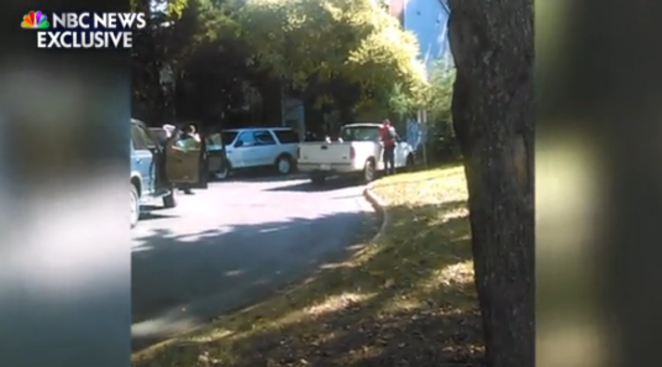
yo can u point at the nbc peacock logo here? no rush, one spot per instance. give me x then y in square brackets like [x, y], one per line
[35, 20]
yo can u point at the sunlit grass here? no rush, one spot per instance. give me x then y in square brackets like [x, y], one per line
[408, 294]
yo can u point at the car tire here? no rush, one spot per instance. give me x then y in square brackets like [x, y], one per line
[170, 200]
[284, 164]
[317, 179]
[369, 171]
[134, 215]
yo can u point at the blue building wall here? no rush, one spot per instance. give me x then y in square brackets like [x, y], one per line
[428, 20]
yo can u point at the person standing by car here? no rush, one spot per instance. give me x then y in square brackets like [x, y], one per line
[188, 140]
[190, 132]
[388, 136]
[193, 131]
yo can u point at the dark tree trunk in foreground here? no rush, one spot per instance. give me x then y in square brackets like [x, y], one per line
[493, 114]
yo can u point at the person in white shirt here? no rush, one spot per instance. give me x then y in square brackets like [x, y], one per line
[169, 129]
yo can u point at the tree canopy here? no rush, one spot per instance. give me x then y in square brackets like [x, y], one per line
[440, 92]
[342, 53]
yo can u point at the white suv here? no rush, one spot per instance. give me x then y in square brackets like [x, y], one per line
[261, 147]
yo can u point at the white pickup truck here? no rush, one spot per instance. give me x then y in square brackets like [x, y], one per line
[358, 152]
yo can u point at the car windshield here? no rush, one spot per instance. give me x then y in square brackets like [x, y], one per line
[228, 137]
[360, 133]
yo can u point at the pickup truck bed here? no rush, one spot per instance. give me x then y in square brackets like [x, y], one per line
[360, 154]
[321, 159]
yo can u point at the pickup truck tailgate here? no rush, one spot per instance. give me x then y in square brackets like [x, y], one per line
[325, 153]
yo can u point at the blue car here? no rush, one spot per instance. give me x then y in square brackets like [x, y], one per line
[158, 167]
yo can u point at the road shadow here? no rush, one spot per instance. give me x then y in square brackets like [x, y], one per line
[151, 212]
[332, 183]
[152, 215]
[396, 308]
[258, 175]
[190, 278]
[151, 208]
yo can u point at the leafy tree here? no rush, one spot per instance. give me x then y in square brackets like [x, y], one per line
[349, 51]
[493, 116]
[154, 48]
[441, 140]
[333, 54]
[196, 40]
[440, 95]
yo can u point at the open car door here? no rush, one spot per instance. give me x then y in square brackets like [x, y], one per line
[186, 162]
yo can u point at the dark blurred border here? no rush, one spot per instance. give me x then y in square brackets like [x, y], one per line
[64, 233]
[598, 182]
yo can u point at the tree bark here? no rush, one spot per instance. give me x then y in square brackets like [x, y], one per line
[493, 116]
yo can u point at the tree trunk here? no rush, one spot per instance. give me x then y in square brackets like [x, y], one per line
[493, 116]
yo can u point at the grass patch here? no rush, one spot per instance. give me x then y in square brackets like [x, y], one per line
[406, 299]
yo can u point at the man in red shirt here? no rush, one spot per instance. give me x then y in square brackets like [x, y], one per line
[389, 138]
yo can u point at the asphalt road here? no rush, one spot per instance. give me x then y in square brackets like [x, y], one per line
[235, 244]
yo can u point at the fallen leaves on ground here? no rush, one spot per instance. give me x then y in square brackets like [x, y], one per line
[407, 299]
